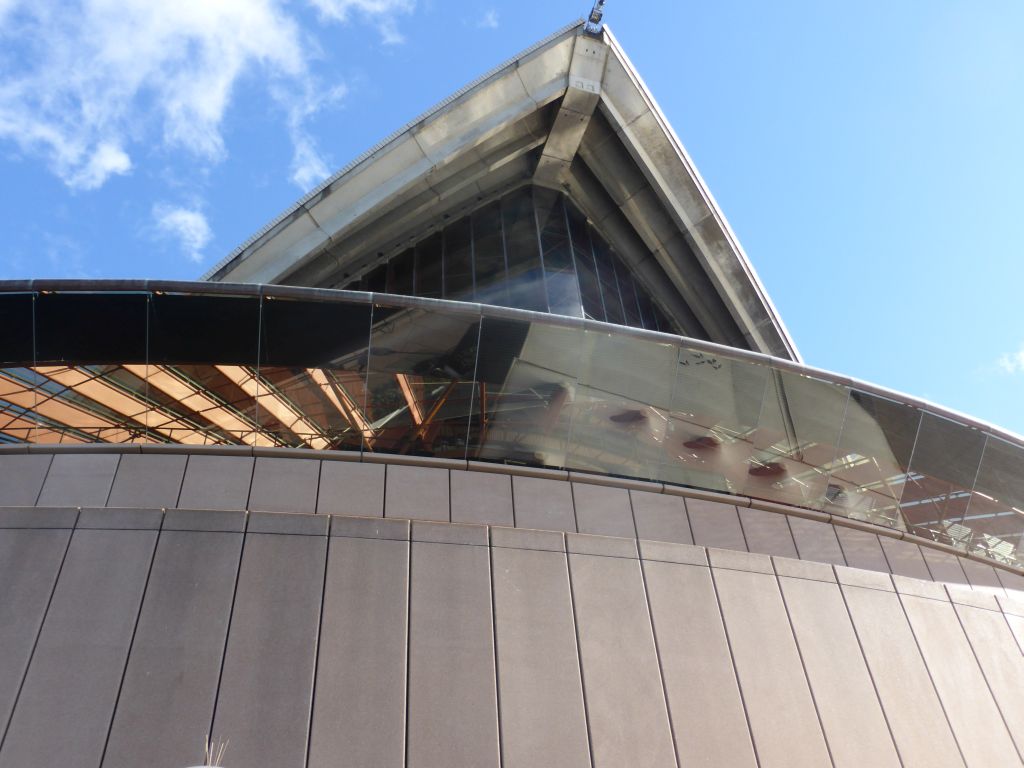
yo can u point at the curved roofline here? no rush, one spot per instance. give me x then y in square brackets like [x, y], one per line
[298, 204]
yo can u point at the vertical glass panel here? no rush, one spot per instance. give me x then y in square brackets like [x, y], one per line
[526, 382]
[401, 269]
[526, 279]
[81, 340]
[429, 265]
[17, 401]
[620, 413]
[420, 381]
[586, 271]
[995, 515]
[560, 274]
[942, 472]
[628, 292]
[312, 374]
[605, 261]
[489, 256]
[458, 260]
[870, 468]
[716, 405]
[795, 440]
[203, 354]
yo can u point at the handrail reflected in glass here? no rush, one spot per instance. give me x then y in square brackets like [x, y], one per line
[211, 364]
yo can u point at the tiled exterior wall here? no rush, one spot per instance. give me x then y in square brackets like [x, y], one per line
[305, 639]
[485, 494]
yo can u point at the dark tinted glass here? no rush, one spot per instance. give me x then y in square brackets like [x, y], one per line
[91, 328]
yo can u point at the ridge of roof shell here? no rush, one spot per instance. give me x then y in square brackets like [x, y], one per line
[569, 113]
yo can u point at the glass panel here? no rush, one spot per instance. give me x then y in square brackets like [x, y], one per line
[605, 261]
[312, 375]
[563, 290]
[203, 354]
[996, 511]
[620, 413]
[429, 265]
[942, 472]
[583, 255]
[526, 380]
[795, 440]
[17, 402]
[716, 405]
[526, 279]
[489, 255]
[870, 468]
[400, 273]
[458, 260]
[420, 381]
[628, 293]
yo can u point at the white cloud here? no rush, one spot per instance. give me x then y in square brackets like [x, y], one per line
[87, 83]
[308, 166]
[489, 21]
[188, 226]
[384, 13]
[1012, 362]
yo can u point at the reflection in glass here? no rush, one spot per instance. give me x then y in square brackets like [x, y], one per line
[870, 469]
[420, 381]
[942, 472]
[525, 387]
[995, 514]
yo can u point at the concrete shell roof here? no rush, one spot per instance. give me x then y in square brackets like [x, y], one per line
[569, 113]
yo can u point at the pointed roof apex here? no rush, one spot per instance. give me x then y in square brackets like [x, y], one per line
[569, 113]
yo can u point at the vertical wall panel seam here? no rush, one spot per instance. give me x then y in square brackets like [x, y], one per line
[408, 640]
[42, 485]
[579, 655]
[689, 521]
[885, 556]
[924, 661]
[1009, 626]
[867, 666]
[113, 477]
[512, 496]
[735, 671]
[316, 497]
[131, 642]
[39, 631]
[632, 516]
[181, 486]
[984, 677]
[384, 497]
[252, 478]
[494, 646]
[803, 666]
[743, 532]
[448, 475]
[661, 669]
[316, 649]
[227, 629]
[572, 500]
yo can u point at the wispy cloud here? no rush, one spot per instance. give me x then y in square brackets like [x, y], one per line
[489, 20]
[383, 13]
[186, 225]
[1012, 362]
[89, 83]
[309, 166]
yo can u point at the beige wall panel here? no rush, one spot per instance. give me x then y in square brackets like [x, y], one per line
[862, 549]
[704, 699]
[625, 700]
[767, 533]
[544, 504]
[542, 715]
[976, 721]
[661, 517]
[816, 541]
[779, 705]
[417, 493]
[715, 524]
[851, 715]
[603, 510]
[481, 497]
[351, 488]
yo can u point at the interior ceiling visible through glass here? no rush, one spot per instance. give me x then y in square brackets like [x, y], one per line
[531, 249]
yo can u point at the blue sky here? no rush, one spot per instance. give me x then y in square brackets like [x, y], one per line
[868, 155]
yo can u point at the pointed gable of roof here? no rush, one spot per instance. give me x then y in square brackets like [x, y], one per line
[569, 113]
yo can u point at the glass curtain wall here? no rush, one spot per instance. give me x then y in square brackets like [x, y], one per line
[531, 249]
